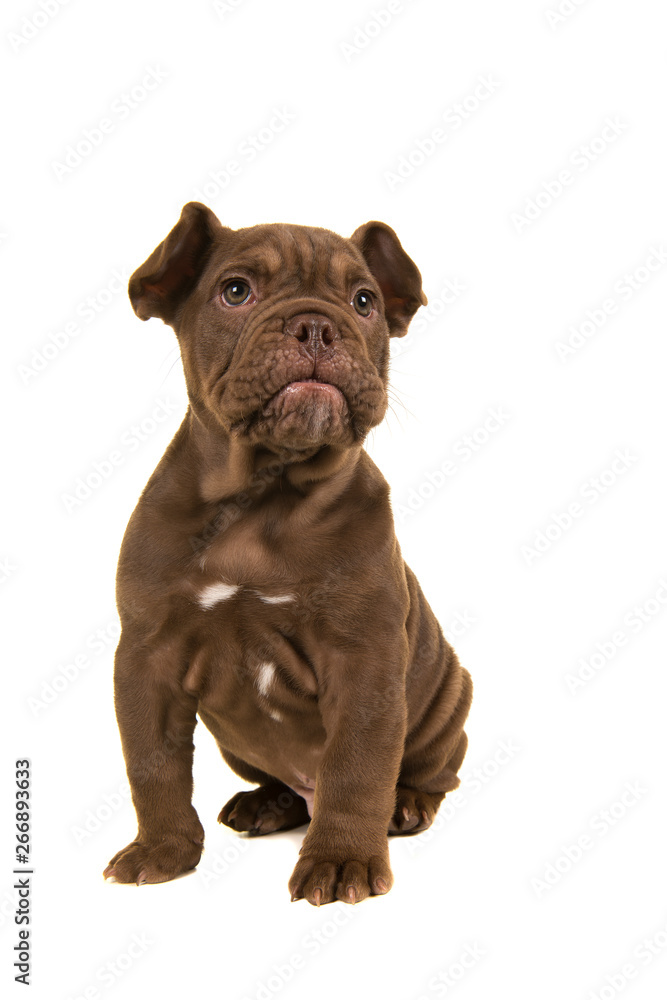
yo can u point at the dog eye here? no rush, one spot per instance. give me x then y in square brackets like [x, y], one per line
[236, 292]
[363, 303]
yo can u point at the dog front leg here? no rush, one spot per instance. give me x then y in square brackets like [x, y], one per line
[345, 852]
[156, 718]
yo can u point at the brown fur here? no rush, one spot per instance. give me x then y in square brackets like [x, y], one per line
[320, 668]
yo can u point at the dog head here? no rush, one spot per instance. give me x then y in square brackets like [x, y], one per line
[284, 330]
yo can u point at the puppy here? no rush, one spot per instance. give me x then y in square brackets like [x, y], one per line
[260, 583]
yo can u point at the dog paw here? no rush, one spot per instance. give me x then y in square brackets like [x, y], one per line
[414, 811]
[265, 810]
[161, 861]
[320, 880]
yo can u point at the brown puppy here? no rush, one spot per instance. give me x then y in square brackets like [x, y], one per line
[260, 583]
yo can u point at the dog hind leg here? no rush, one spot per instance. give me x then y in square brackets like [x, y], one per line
[434, 755]
[271, 807]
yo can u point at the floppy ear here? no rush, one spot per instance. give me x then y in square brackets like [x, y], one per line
[161, 284]
[396, 274]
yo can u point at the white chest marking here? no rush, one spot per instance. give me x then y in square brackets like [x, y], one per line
[264, 677]
[282, 599]
[217, 592]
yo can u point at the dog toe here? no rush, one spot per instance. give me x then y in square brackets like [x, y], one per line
[142, 863]
[320, 881]
[414, 811]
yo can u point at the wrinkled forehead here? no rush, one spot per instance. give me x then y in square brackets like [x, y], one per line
[311, 257]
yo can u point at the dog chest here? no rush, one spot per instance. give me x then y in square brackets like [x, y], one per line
[256, 690]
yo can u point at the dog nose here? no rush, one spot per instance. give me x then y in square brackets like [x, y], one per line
[315, 331]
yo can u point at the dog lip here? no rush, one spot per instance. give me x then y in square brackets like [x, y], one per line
[307, 384]
[313, 392]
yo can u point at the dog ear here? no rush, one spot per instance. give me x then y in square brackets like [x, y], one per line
[163, 281]
[396, 274]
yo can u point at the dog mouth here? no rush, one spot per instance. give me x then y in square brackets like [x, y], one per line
[311, 388]
[298, 404]
[307, 411]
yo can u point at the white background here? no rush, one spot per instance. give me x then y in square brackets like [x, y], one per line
[493, 880]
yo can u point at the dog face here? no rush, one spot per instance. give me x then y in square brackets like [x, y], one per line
[284, 330]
